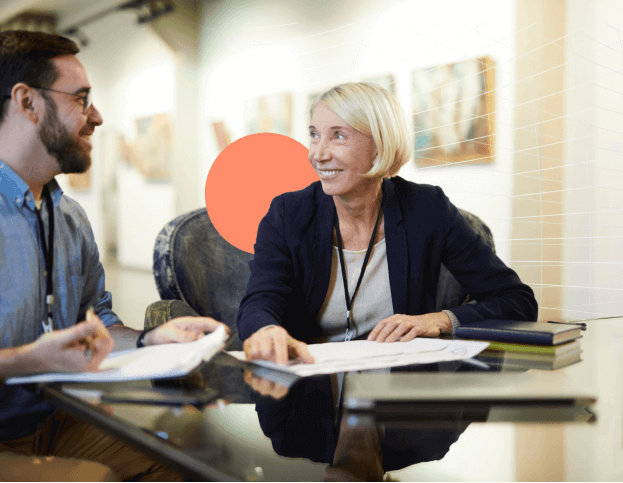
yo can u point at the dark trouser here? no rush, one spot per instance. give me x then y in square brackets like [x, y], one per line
[68, 449]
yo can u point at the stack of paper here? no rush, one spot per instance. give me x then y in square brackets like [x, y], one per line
[153, 362]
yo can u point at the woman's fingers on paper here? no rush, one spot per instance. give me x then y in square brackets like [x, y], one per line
[280, 348]
[258, 346]
[299, 350]
[266, 349]
[410, 335]
[382, 330]
[397, 327]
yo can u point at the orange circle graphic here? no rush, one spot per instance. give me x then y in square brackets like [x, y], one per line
[246, 177]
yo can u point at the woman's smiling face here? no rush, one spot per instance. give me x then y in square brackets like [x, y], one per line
[339, 153]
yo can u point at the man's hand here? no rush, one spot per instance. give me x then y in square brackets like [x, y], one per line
[408, 327]
[182, 329]
[276, 345]
[76, 349]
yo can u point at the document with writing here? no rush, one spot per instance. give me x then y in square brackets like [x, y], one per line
[153, 362]
[358, 355]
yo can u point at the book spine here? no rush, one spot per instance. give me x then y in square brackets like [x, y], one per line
[521, 338]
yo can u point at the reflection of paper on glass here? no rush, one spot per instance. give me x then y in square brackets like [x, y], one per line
[154, 362]
[358, 355]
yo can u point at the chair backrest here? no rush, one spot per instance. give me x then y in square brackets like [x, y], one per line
[193, 263]
[450, 293]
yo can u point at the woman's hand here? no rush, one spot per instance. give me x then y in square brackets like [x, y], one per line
[408, 327]
[276, 345]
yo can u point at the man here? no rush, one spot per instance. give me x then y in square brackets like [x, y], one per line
[50, 273]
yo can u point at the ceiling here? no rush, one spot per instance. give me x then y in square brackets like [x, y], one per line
[68, 11]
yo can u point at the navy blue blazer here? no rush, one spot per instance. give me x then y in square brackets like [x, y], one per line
[292, 265]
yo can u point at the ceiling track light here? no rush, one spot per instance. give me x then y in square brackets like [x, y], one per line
[146, 10]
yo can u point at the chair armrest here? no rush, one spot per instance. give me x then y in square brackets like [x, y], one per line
[164, 310]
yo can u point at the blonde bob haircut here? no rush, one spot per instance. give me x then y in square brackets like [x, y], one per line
[372, 110]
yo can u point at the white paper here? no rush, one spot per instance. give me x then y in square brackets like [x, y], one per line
[358, 355]
[153, 362]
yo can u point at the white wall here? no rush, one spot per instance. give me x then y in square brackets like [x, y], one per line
[132, 72]
[593, 259]
[594, 174]
[253, 48]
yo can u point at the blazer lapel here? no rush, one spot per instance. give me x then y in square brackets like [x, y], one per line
[397, 249]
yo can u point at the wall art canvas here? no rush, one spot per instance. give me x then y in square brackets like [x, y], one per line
[152, 152]
[270, 113]
[387, 81]
[453, 113]
[80, 181]
[221, 135]
[311, 99]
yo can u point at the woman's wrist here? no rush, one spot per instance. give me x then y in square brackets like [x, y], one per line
[444, 322]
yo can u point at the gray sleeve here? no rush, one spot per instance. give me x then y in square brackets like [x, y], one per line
[453, 319]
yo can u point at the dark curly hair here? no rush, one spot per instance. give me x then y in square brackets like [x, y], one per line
[27, 57]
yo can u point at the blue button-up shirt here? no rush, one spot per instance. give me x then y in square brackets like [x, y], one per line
[78, 282]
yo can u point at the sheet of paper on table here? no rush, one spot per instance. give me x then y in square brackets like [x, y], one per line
[153, 362]
[358, 355]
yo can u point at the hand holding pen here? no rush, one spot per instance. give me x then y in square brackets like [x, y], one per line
[76, 349]
[98, 342]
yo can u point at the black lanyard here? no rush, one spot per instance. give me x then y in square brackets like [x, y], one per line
[48, 252]
[349, 300]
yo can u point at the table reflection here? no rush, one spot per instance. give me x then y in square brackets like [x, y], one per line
[305, 421]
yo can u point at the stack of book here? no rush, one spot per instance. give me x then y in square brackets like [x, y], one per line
[526, 345]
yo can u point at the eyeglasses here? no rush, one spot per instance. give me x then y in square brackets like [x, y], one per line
[86, 97]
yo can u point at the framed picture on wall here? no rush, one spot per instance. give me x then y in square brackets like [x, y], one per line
[311, 99]
[453, 113]
[80, 181]
[387, 81]
[152, 152]
[270, 113]
[221, 135]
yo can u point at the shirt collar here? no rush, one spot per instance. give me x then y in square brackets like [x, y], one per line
[15, 189]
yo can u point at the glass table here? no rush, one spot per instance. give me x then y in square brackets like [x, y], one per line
[270, 428]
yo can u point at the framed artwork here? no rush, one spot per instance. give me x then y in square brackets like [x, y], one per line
[221, 134]
[311, 98]
[80, 181]
[384, 80]
[453, 113]
[270, 113]
[152, 152]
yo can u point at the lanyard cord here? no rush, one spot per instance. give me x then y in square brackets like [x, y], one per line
[48, 252]
[349, 300]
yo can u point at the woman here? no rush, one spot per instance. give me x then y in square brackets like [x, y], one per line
[386, 236]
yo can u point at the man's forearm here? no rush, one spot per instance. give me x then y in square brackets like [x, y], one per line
[14, 359]
[125, 338]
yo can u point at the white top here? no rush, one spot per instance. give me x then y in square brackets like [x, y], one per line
[372, 303]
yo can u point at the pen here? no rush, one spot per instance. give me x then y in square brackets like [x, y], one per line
[582, 325]
[87, 341]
